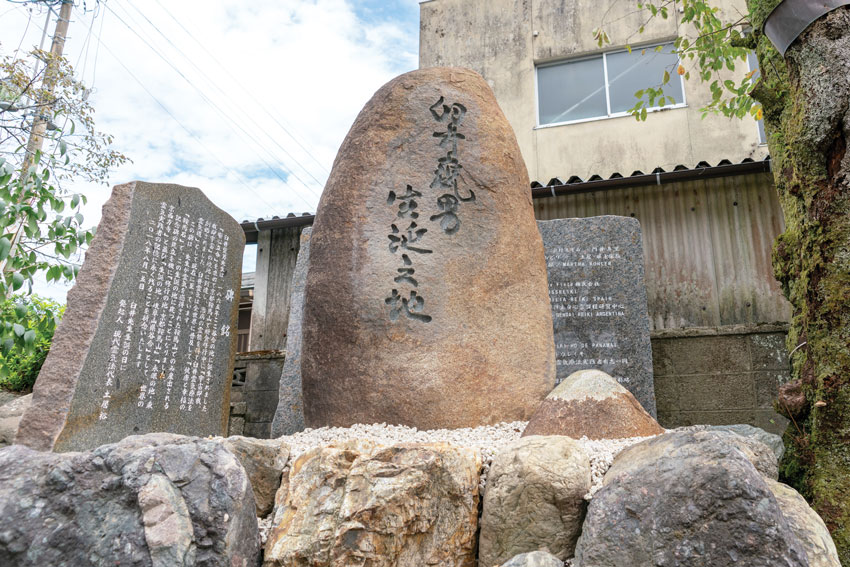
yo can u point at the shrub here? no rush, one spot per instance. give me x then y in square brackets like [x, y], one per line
[27, 324]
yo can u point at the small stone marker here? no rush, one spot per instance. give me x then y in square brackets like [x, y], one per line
[289, 416]
[426, 299]
[148, 338]
[598, 294]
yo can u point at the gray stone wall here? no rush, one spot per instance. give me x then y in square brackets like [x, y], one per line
[720, 376]
[253, 397]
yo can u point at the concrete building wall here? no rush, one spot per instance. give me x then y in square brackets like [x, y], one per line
[504, 40]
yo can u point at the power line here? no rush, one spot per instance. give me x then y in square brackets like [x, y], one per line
[219, 89]
[212, 104]
[246, 91]
[188, 131]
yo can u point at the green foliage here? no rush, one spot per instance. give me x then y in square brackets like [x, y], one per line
[41, 223]
[711, 53]
[27, 324]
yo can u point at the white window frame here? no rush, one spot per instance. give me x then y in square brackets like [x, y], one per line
[610, 115]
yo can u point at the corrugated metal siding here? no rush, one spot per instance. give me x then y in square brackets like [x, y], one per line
[707, 246]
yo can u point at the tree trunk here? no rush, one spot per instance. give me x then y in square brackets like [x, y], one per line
[806, 101]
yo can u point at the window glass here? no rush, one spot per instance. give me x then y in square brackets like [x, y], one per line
[642, 68]
[572, 91]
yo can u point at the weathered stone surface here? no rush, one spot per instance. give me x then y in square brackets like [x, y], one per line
[263, 461]
[155, 297]
[359, 504]
[686, 498]
[759, 454]
[157, 500]
[10, 417]
[807, 526]
[598, 294]
[770, 439]
[534, 499]
[535, 559]
[427, 282]
[591, 403]
[289, 416]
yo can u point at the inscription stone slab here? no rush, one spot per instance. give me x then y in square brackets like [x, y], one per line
[289, 417]
[426, 299]
[148, 338]
[598, 296]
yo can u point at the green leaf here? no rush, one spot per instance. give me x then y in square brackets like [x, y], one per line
[75, 200]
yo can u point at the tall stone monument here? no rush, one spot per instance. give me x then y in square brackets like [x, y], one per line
[426, 300]
[148, 338]
[598, 294]
[289, 416]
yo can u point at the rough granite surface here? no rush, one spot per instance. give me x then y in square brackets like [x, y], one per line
[154, 302]
[289, 416]
[157, 500]
[426, 301]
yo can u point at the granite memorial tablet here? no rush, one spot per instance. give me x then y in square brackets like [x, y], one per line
[289, 416]
[148, 338]
[598, 296]
[426, 299]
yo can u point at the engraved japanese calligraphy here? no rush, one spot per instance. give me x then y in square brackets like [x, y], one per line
[427, 282]
[160, 346]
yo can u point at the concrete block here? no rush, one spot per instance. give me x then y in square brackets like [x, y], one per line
[768, 351]
[666, 395]
[258, 430]
[238, 408]
[701, 355]
[264, 374]
[236, 426]
[767, 386]
[708, 392]
[261, 405]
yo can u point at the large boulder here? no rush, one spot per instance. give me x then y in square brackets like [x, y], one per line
[590, 403]
[807, 525]
[263, 461]
[745, 430]
[534, 499]
[686, 498]
[158, 499]
[407, 505]
[759, 454]
[10, 417]
[533, 559]
[427, 283]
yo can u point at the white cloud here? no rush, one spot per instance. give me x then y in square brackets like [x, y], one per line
[312, 64]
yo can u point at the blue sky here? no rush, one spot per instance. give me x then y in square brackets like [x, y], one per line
[248, 101]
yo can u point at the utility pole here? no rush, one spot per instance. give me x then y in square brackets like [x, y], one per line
[43, 106]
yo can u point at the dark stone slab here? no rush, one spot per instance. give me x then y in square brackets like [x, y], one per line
[598, 296]
[146, 342]
[289, 417]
